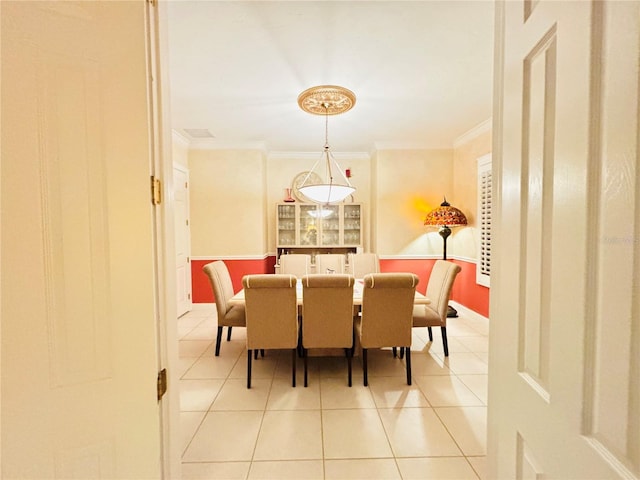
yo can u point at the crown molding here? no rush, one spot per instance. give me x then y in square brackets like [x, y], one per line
[378, 146]
[212, 144]
[316, 155]
[476, 131]
[180, 137]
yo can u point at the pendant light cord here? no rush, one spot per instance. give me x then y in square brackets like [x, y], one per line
[326, 142]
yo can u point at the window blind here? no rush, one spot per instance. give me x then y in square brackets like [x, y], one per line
[483, 267]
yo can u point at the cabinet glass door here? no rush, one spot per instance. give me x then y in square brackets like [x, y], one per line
[351, 230]
[309, 223]
[286, 225]
[330, 217]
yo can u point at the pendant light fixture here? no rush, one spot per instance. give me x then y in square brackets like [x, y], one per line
[334, 185]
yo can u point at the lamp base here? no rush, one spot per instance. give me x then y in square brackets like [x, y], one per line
[451, 312]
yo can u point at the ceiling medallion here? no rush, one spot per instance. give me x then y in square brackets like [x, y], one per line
[326, 100]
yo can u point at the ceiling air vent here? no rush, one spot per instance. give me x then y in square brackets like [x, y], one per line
[198, 133]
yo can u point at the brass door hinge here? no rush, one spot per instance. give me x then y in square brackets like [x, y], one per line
[152, 2]
[162, 383]
[156, 190]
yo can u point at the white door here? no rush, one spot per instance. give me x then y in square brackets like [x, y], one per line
[183, 238]
[79, 348]
[565, 314]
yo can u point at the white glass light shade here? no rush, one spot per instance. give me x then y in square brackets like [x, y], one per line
[326, 193]
[322, 213]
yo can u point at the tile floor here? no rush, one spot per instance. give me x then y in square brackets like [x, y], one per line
[434, 429]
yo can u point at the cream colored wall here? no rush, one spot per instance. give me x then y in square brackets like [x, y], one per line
[409, 183]
[234, 193]
[228, 215]
[463, 241]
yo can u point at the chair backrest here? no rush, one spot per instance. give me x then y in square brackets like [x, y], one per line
[298, 264]
[327, 311]
[439, 286]
[330, 261]
[271, 311]
[361, 264]
[387, 309]
[221, 285]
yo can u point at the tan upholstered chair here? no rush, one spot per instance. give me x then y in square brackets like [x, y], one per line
[327, 315]
[272, 316]
[361, 264]
[386, 320]
[330, 263]
[228, 315]
[438, 291]
[298, 264]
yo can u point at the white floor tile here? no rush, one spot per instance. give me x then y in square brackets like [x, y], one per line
[417, 432]
[215, 471]
[234, 395]
[290, 435]
[436, 468]
[466, 363]
[479, 343]
[225, 436]
[478, 384]
[479, 464]
[424, 363]
[329, 430]
[374, 468]
[356, 433]
[336, 394]
[284, 397]
[389, 393]
[262, 367]
[189, 423]
[198, 395]
[192, 348]
[211, 367]
[285, 470]
[468, 426]
[446, 391]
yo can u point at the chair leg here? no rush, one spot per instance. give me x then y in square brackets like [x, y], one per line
[349, 353]
[395, 352]
[294, 353]
[218, 339]
[262, 352]
[445, 343]
[408, 360]
[248, 368]
[304, 357]
[228, 334]
[300, 350]
[401, 353]
[430, 334]
[255, 354]
[364, 367]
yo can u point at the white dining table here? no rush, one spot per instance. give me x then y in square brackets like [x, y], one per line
[358, 287]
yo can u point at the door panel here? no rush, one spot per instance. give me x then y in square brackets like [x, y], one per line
[565, 380]
[78, 328]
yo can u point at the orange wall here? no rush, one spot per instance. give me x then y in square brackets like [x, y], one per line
[465, 290]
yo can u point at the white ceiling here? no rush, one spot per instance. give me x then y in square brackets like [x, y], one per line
[421, 71]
